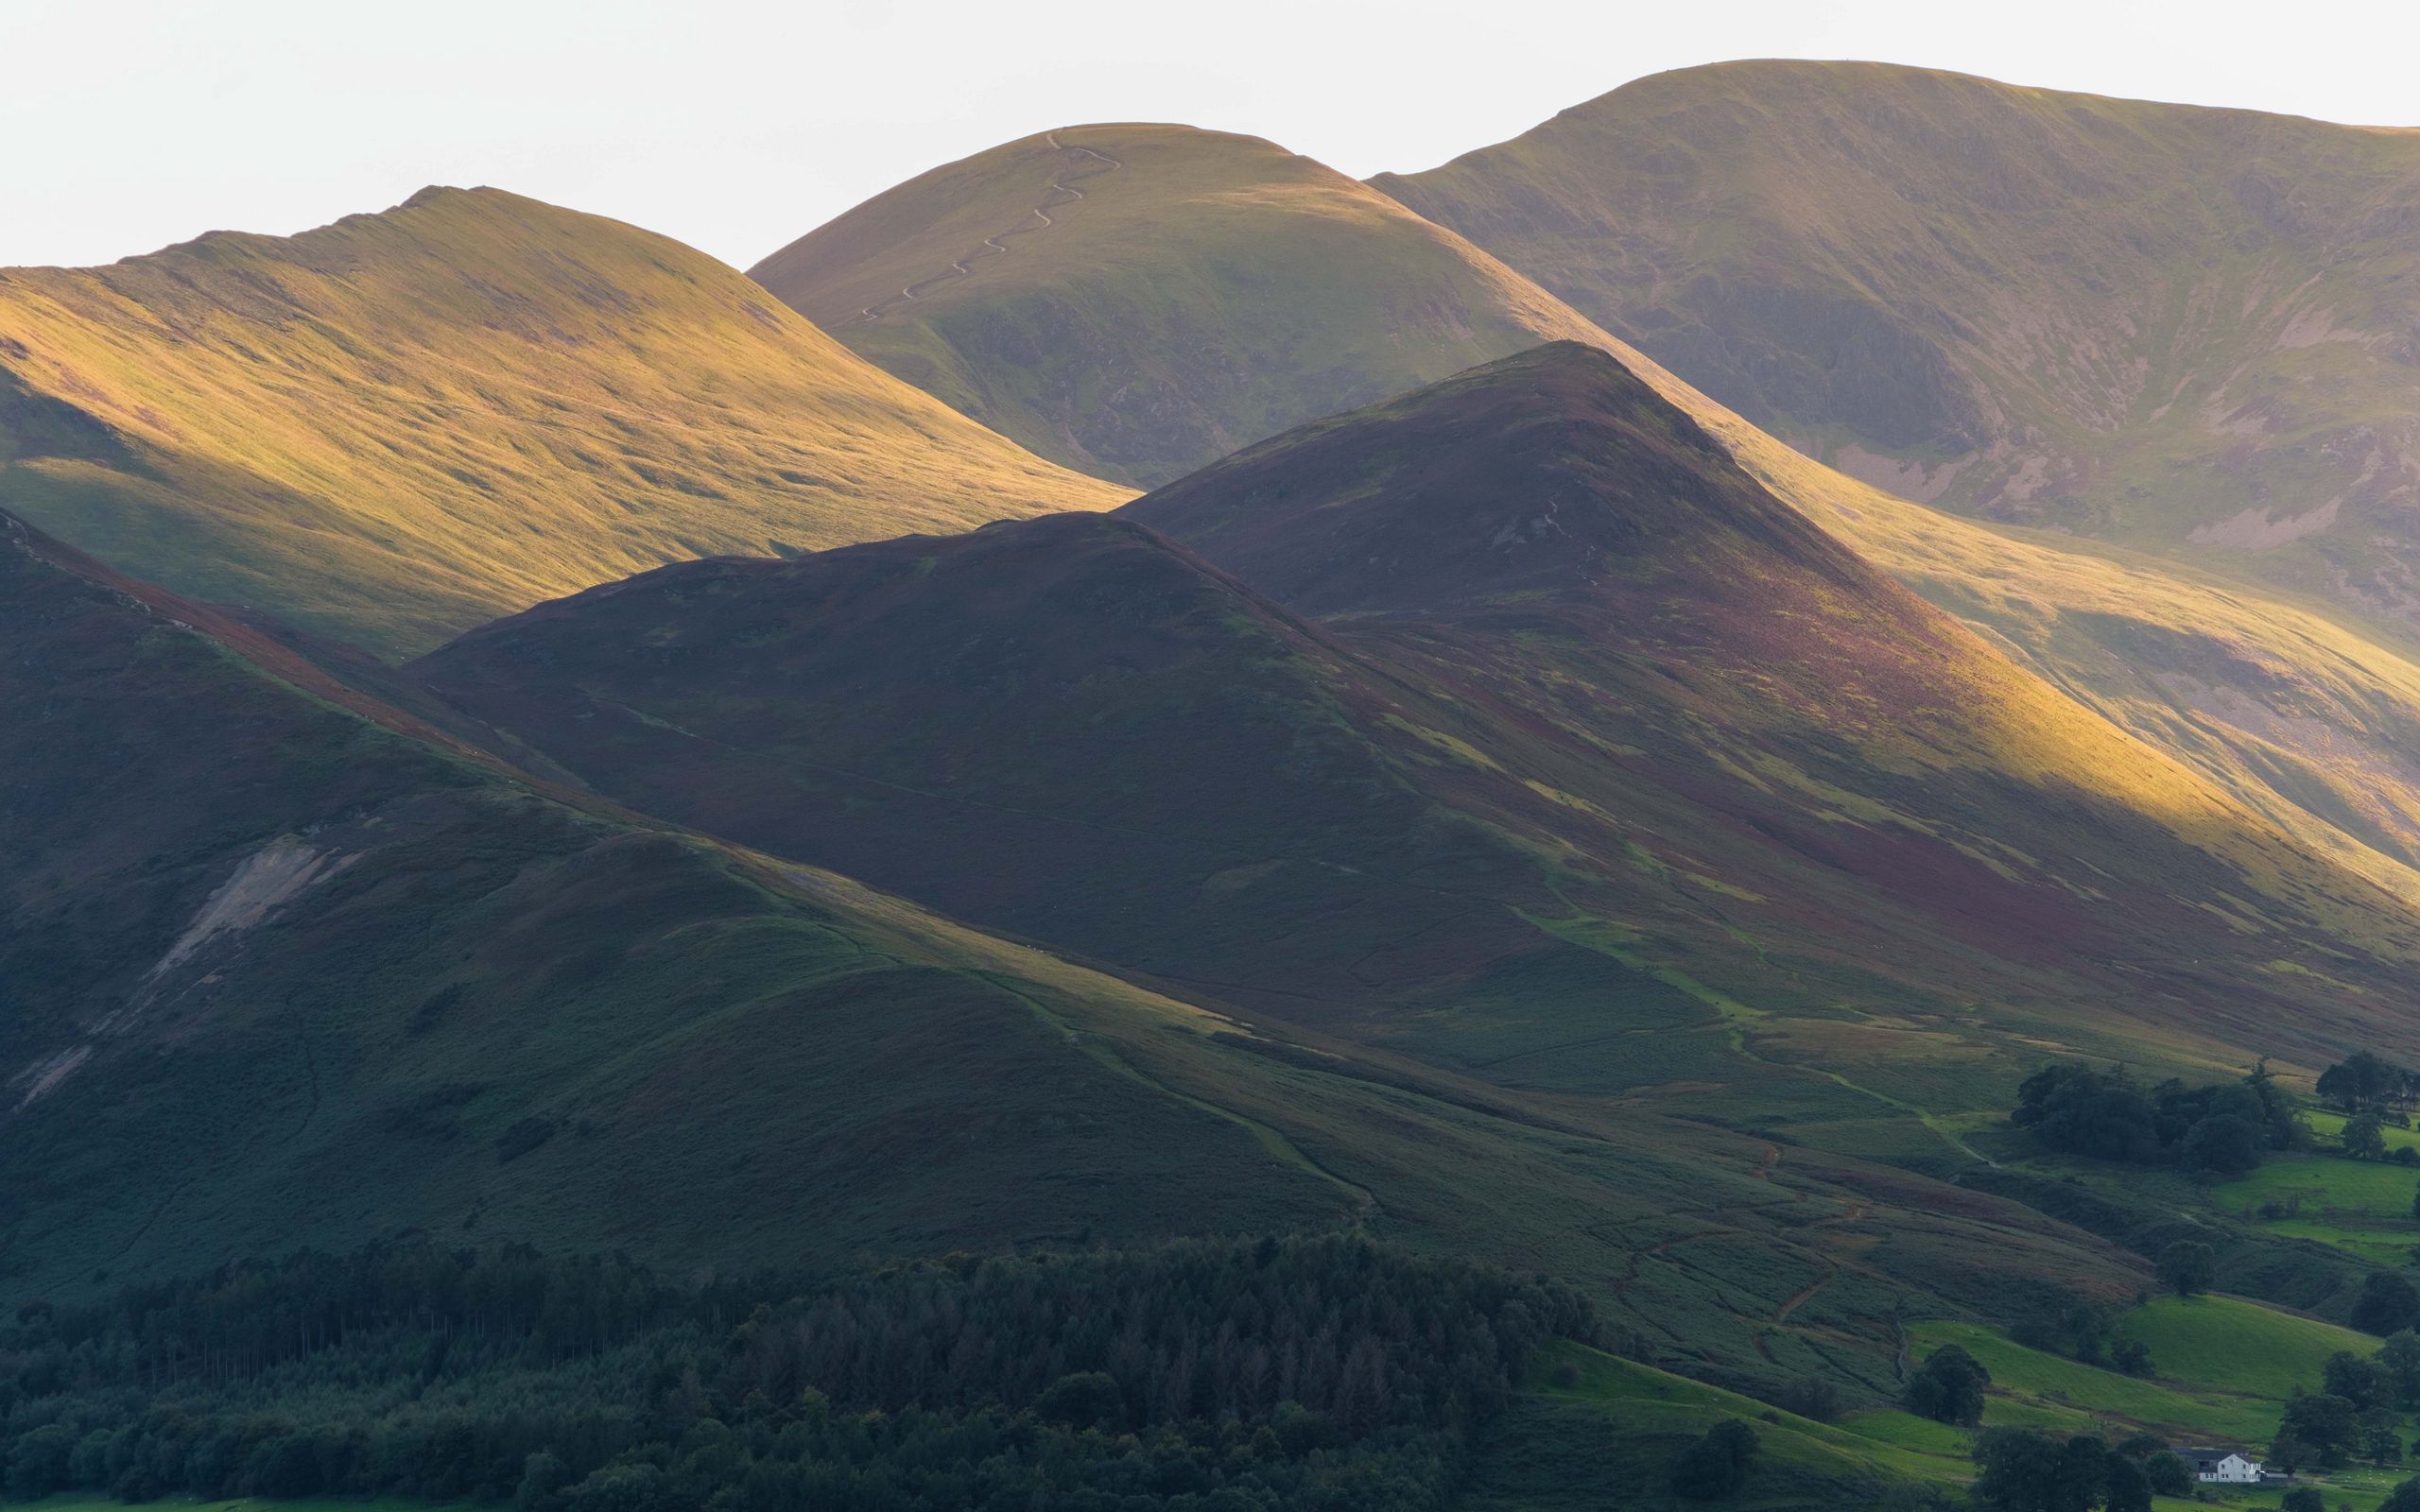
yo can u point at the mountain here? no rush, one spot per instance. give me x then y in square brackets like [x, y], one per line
[1138, 301]
[1551, 537]
[1494, 726]
[395, 428]
[1669, 811]
[2296, 714]
[2187, 330]
[288, 967]
[304, 970]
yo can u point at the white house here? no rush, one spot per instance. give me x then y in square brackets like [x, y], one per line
[2223, 1467]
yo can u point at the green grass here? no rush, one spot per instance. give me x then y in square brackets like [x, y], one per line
[2358, 1207]
[2050, 1388]
[2325, 1183]
[2229, 1343]
[1608, 1440]
[715, 1052]
[2224, 1370]
[2226, 1367]
[2330, 1127]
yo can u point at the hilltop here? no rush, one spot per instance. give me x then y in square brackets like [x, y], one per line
[2189, 330]
[396, 427]
[1138, 300]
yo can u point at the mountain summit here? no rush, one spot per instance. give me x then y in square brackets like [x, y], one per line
[1539, 474]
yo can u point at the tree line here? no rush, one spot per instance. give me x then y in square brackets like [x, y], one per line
[1324, 1372]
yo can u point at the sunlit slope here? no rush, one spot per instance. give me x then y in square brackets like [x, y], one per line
[1138, 300]
[2302, 716]
[2190, 330]
[397, 426]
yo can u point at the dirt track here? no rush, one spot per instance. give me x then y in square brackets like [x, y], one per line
[1062, 191]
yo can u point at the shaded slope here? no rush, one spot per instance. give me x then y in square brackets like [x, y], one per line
[283, 974]
[1532, 480]
[1138, 300]
[2187, 329]
[1063, 727]
[403, 424]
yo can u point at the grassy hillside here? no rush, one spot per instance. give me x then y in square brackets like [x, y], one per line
[1138, 300]
[404, 424]
[2185, 329]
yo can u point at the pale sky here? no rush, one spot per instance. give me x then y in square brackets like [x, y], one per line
[734, 126]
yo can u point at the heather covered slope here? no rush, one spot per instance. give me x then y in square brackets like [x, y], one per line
[2190, 330]
[395, 427]
[1138, 301]
[283, 974]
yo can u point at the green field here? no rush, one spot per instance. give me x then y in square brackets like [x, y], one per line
[2226, 1344]
[1619, 1425]
[2362, 1208]
[2074, 1395]
[2224, 1369]
[2330, 1129]
[1608, 1438]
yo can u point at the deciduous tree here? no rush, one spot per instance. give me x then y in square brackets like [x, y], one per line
[1948, 1387]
